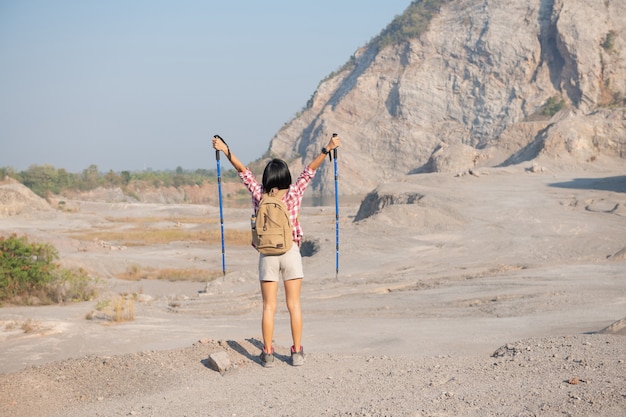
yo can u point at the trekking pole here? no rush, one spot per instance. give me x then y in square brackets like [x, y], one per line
[336, 214]
[219, 192]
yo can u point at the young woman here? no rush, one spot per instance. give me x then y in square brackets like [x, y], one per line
[289, 265]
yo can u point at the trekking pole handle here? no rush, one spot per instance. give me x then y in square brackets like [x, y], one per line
[217, 153]
[334, 152]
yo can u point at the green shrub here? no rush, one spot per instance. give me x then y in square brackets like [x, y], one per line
[72, 285]
[553, 106]
[29, 274]
[25, 267]
[619, 99]
[609, 41]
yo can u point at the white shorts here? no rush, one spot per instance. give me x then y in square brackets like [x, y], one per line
[288, 264]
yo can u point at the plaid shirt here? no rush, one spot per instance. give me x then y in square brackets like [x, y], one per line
[293, 198]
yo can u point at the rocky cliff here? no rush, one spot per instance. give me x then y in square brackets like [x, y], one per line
[484, 83]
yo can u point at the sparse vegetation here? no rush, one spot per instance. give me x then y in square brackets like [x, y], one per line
[553, 106]
[45, 180]
[29, 275]
[30, 326]
[411, 24]
[74, 285]
[118, 309]
[609, 41]
[124, 309]
[142, 236]
[27, 326]
[151, 231]
[619, 99]
[136, 272]
[175, 220]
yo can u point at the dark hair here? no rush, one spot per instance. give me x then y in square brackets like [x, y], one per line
[276, 175]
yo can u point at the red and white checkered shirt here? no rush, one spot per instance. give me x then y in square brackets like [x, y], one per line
[292, 199]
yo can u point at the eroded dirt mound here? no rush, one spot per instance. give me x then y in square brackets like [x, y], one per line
[15, 198]
[456, 158]
[406, 206]
[619, 255]
[619, 327]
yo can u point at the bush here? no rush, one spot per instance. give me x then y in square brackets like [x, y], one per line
[72, 285]
[619, 99]
[609, 41]
[553, 106]
[29, 274]
[25, 267]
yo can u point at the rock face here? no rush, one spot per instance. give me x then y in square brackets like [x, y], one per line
[492, 82]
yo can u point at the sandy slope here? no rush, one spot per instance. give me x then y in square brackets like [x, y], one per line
[425, 295]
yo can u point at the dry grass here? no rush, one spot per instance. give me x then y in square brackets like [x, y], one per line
[124, 309]
[30, 326]
[11, 325]
[175, 220]
[27, 326]
[118, 309]
[147, 231]
[142, 236]
[136, 272]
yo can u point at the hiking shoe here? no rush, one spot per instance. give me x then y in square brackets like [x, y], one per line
[297, 358]
[267, 359]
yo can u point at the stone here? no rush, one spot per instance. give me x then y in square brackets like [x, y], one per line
[219, 361]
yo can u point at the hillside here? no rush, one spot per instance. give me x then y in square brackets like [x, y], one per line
[16, 199]
[453, 85]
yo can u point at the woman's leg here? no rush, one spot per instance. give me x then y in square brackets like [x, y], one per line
[269, 291]
[292, 295]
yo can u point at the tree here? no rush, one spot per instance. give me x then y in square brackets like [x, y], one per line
[112, 179]
[42, 179]
[125, 177]
[91, 178]
[7, 172]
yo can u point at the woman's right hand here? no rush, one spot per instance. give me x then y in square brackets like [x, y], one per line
[333, 143]
[219, 145]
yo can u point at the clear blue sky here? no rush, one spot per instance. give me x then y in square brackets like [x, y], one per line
[128, 85]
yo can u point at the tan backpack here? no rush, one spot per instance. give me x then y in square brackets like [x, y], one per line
[271, 227]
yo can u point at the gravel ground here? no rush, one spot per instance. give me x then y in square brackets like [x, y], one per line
[583, 375]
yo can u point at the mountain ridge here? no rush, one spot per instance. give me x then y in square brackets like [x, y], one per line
[479, 76]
